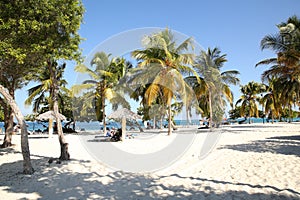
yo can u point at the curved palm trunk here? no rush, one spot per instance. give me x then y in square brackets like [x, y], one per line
[27, 167]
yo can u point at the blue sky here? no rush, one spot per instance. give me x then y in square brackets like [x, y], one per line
[235, 26]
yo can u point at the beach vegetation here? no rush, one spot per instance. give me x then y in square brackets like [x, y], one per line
[161, 65]
[284, 73]
[34, 34]
[250, 98]
[104, 73]
[213, 90]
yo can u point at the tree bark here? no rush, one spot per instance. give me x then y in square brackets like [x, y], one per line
[103, 108]
[210, 110]
[8, 122]
[170, 120]
[27, 167]
[9, 126]
[64, 153]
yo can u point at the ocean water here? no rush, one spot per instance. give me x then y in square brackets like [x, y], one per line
[96, 126]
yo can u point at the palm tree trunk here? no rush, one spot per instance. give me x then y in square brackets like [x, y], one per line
[210, 109]
[103, 115]
[290, 113]
[27, 167]
[9, 126]
[64, 154]
[170, 120]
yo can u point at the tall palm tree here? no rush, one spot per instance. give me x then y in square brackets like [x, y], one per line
[52, 82]
[285, 67]
[215, 84]
[105, 74]
[250, 94]
[160, 71]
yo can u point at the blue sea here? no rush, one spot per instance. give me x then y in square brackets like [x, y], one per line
[96, 126]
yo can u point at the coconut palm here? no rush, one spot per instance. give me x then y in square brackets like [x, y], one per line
[250, 94]
[285, 67]
[41, 94]
[105, 74]
[290, 93]
[215, 84]
[52, 82]
[161, 65]
[270, 99]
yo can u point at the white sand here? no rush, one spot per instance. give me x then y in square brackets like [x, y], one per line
[249, 162]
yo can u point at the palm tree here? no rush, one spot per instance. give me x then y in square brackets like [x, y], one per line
[161, 65]
[41, 94]
[104, 78]
[270, 99]
[249, 97]
[290, 93]
[285, 67]
[52, 83]
[215, 84]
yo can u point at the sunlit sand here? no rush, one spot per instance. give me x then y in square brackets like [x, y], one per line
[256, 161]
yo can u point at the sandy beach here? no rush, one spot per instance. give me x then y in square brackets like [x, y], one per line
[256, 161]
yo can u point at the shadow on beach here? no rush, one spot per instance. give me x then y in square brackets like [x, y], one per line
[51, 182]
[286, 145]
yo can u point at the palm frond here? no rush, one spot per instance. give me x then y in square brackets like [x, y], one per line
[152, 93]
[274, 42]
[267, 62]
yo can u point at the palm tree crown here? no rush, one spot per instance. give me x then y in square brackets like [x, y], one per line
[161, 65]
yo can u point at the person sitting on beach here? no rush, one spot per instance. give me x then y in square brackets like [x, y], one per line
[204, 124]
[117, 136]
[108, 132]
[113, 131]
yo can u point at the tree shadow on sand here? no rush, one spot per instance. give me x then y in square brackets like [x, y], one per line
[286, 145]
[7, 150]
[53, 182]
